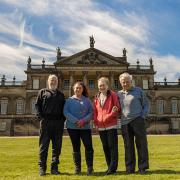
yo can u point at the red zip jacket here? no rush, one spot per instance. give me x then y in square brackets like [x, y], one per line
[104, 116]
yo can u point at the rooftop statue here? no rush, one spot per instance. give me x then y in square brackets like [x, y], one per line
[92, 41]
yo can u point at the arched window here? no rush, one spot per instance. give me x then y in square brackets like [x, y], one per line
[33, 109]
[174, 106]
[4, 105]
[160, 106]
[19, 106]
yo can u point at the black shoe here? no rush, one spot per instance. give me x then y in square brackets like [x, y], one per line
[109, 172]
[42, 172]
[55, 172]
[142, 171]
[130, 171]
[90, 170]
[77, 162]
[77, 170]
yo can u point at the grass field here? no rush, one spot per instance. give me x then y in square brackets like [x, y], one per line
[19, 157]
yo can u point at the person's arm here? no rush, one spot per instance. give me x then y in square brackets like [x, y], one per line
[89, 115]
[95, 113]
[63, 116]
[67, 114]
[38, 105]
[114, 114]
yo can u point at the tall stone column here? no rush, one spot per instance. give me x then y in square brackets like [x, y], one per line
[111, 75]
[98, 75]
[60, 80]
[71, 82]
[85, 77]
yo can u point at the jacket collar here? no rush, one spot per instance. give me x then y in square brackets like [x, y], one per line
[108, 94]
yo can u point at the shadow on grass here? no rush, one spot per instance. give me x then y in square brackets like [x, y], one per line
[163, 171]
[62, 173]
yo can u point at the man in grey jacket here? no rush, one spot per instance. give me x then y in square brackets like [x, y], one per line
[134, 106]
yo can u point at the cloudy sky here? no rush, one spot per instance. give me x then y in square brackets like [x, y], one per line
[36, 27]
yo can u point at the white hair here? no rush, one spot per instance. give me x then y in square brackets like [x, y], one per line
[125, 75]
[52, 76]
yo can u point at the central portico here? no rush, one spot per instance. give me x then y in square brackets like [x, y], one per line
[88, 66]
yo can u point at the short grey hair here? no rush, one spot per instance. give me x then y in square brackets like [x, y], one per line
[125, 75]
[52, 76]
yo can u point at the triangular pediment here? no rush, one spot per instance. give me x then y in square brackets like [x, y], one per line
[92, 56]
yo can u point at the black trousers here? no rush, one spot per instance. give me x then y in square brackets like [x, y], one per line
[109, 139]
[50, 130]
[135, 129]
[76, 135]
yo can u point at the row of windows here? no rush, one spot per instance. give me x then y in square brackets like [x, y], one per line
[174, 106]
[67, 84]
[91, 84]
[20, 106]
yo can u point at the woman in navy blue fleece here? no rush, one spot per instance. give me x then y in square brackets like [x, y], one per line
[78, 111]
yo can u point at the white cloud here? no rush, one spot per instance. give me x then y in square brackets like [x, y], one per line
[167, 66]
[51, 33]
[39, 7]
[22, 25]
[13, 59]
[80, 19]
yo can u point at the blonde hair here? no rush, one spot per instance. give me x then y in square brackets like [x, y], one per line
[104, 80]
[125, 75]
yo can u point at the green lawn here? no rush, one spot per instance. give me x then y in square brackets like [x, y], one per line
[19, 157]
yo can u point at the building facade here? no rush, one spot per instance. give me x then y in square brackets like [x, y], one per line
[17, 99]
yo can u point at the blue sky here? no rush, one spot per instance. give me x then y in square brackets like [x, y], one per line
[35, 28]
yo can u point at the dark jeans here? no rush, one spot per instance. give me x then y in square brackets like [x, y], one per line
[109, 139]
[76, 135]
[50, 130]
[137, 129]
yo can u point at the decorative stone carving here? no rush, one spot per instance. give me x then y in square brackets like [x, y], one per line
[91, 58]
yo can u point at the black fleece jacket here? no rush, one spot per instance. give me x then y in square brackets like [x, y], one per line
[50, 104]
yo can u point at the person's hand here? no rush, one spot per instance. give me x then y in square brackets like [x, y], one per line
[115, 109]
[80, 123]
[96, 127]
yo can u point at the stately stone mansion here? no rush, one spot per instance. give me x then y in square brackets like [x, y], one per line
[17, 99]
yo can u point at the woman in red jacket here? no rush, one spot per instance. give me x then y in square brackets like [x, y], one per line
[106, 110]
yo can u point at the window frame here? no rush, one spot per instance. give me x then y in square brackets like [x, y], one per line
[64, 85]
[89, 84]
[6, 108]
[175, 100]
[145, 85]
[21, 109]
[34, 85]
[160, 106]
